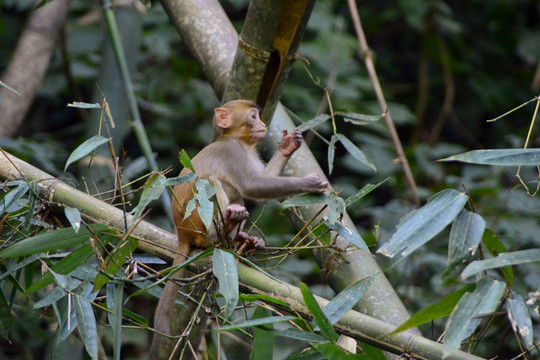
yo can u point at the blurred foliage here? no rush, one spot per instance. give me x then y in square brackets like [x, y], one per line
[488, 50]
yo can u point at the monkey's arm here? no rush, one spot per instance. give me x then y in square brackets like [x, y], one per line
[289, 144]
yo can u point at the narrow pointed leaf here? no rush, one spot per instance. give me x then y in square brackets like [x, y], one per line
[518, 314]
[334, 352]
[153, 188]
[435, 311]
[74, 217]
[358, 119]
[257, 322]
[423, 224]
[504, 259]
[115, 260]
[314, 122]
[496, 247]
[225, 269]
[347, 298]
[3, 84]
[180, 179]
[356, 152]
[467, 314]
[185, 160]
[263, 337]
[6, 317]
[304, 200]
[362, 192]
[465, 236]
[50, 240]
[85, 148]
[331, 153]
[501, 157]
[301, 335]
[83, 105]
[351, 236]
[321, 320]
[205, 191]
[87, 325]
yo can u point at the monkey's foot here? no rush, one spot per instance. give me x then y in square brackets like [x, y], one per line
[252, 242]
[234, 215]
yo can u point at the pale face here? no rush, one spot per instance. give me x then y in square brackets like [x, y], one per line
[257, 128]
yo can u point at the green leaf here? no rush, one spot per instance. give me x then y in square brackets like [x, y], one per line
[115, 260]
[205, 191]
[467, 314]
[362, 192]
[263, 337]
[421, 225]
[373, 352]
[304, 200]
[351, 236]
[504, 259]
[180, 179]
[68, 264]
[500, 157]
[435, 311]
[465, 236]
[262, 297]
[347, 298]
[336, 207]
[314, 122]
[6, 317]
[13, 200]
[83, 105]
[74, 217]
[301, 335]
[322, 321]
[257, 322]
[58, 292]
[114, 303]
[334, 352]
[356, 152]
[226, 271]
[518, 314]
[495, 247]
[85, 148]
[153, 188]
[86, 323]
[358, 119]
[331, 153]
[51, 240]
[185, 160]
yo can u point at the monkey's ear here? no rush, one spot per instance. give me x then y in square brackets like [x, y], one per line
[223, 118]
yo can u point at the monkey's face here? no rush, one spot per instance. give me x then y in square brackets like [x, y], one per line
[257, 129]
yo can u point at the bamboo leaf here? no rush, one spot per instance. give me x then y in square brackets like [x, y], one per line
[227, 273]
[356, 152]
[301, 335]
[185, 160]
[153, 188]
[321, 320]
[85, 148]
[421, 225]
[263, 337]
[504, 259]
[257, 322]
[314, 122]
[518, 314]
[180, 179]
[3, 84]
[495, 247]
[467, 314]
[6, 317]
[50, 240]
[465, 236]
[114, 303]
[334, 352]
[366, 189]
[13, 200]
[347, 298]
[115, 260]
[351, 236]
[331, 153]
[304, 200]
[74, 217]
[358, 119]
[205, 191]
[500, 157]
[435, 311]
[87, 325]
[83, 105]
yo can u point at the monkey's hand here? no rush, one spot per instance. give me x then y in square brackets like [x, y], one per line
[235, 214]
[314, 183]
[290, 143]
[252, 242]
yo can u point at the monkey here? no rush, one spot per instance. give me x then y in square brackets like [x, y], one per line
[234, 166]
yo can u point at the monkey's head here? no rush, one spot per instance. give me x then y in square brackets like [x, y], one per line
[240, 119]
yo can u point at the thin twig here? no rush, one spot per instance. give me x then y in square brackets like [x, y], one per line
[380, 98]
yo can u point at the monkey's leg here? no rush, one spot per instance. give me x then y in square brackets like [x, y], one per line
[252, 242]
